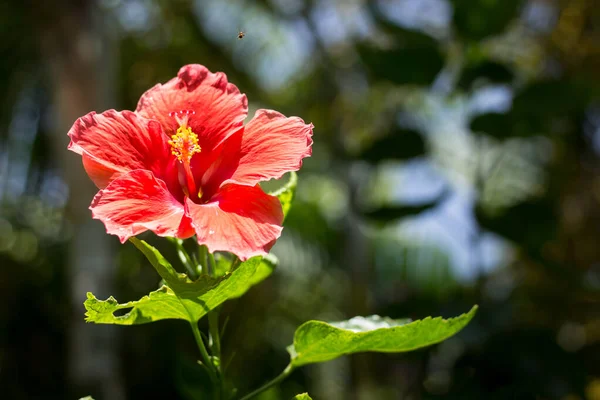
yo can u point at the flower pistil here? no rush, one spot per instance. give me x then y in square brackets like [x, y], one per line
[184, 144]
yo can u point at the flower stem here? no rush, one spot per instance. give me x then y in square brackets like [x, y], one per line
[185, 258]
[286, 372]
[205, 357]
[202, 250]
[213, 328]
[211, 264]
[234, 263]
[213, 320]
[213, 316]
[215, 346]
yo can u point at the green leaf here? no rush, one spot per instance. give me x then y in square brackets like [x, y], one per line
[536, 219]
[181, 298]
[390, 213]
[548, 107]
[316, 341]
[477, 19]
[408, 64]
[158, 305]
[411, 58]
[485, 72]
[303, 396]
[400, 144]
[287, 193]
[87, 398]
[542, 108]
[494, 124]
[263, 271]
[266, 267]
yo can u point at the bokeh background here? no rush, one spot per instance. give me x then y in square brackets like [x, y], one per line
[456, 161]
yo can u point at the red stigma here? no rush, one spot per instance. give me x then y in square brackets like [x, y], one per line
[181, 113]
[182, 116]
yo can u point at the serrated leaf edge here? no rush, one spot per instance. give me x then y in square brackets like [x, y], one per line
[468, 316]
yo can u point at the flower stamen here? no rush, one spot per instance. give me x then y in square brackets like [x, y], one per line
[184, 144]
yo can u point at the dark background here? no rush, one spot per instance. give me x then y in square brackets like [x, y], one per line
[456, 162]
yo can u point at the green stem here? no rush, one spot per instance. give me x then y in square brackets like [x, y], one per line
[213, 328]
[234, 263]
[211, 264]
[185, 259]
[213, 319]
[215, 346]
[286, 372]
[202, 250]
[205, 357]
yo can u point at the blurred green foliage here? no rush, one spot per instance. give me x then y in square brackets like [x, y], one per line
[455, 162]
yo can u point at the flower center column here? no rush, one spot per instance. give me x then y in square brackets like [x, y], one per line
[184, 144]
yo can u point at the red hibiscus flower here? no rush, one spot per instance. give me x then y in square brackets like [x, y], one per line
[183, 164]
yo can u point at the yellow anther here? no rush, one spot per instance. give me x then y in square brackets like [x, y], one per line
[184, 144]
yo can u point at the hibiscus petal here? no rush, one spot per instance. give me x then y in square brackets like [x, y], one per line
[114, 143]
[211, 169]
[271, 146]
[241, 219]
[219, 106]
[136, 202]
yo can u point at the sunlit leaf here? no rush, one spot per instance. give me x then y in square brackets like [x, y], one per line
[316, 341]
[286, 193]
[158, 305]
[263, 271]
[302, 396]
[181, 298]
[224, 264]
[265, 268]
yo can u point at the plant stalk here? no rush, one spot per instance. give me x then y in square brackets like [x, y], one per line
[204, 354]
[211, 264]
[213, 322]
[185, 259]
[286, 372]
